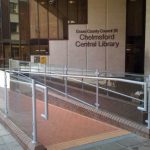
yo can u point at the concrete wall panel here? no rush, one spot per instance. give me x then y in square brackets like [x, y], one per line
[105, 15]
[58, 52]
[76, 55]
[116, 18]
[147, 39]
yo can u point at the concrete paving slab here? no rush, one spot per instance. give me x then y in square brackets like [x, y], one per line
[4, 132]
[1, 127]
[7, 141]
[127, 142]
[14, 145]
[131, 141]
[111, 146]
[1, 141]
[3, 147]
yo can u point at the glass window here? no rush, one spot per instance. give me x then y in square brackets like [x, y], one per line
[13, 7]
[14, 27]
[77, 11]
[1, 56]
[72, 12]
[82, 11]
[50, 19]
[7, 53]
[15, 51]
[34, 49]
[39, 47]
[25, 52]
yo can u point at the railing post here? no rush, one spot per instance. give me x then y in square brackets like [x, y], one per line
[82, 84]
[30, 67]
[38, 67]
[50, 70]
[10, 60]
[82, 79]
[45, 115]
[34, 122]
[97, 89]
[45, 74]
[66, 91]
[6, 96]
[19, 67]
[149, 102]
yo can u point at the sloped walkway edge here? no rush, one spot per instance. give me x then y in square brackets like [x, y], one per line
[99, 114]
[20, 136]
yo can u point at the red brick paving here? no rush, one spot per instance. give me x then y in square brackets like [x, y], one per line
[62, 125]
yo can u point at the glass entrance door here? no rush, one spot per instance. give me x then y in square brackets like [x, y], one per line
[135, 36]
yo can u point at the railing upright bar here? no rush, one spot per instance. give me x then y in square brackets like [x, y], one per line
[82, 84]
[38, 67]
[34, 122]
[30, 67]
[145, 96]
[45, 115]
[46, 102]
[10, 60]
[82, 79]
[97, 90]
[148, 121]
[50, 71]
[45, 74]
[66, 92]
[6, 96]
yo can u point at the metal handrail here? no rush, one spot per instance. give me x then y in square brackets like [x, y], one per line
[86, 77]
[78, 78]
[106, 89]
[61, 67]
[57, 71]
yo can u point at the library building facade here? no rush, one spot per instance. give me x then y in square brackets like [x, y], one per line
[109, 35]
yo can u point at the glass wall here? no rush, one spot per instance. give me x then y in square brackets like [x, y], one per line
[15, 30]
[50, 19]
[28, 25]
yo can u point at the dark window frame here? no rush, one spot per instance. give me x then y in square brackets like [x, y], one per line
[13, 8]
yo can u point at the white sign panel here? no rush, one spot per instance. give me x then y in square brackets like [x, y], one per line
[97, 38]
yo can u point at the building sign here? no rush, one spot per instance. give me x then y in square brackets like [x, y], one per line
[36, 59]
[39, 59]
[43, 59]
[97, 38]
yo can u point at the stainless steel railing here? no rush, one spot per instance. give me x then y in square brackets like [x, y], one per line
[87, 77]
[13, 87]
[79, 75]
